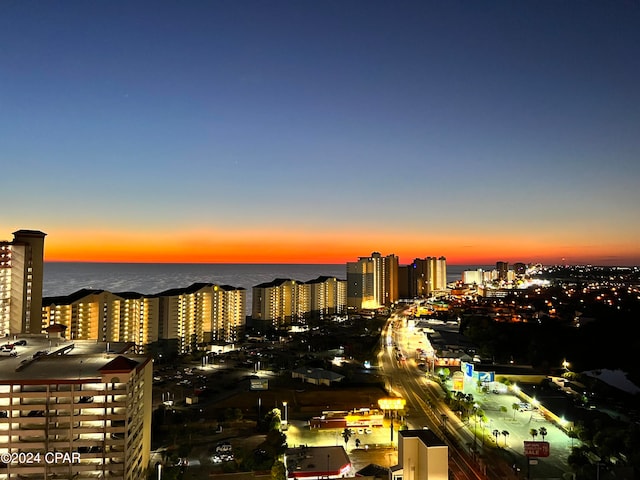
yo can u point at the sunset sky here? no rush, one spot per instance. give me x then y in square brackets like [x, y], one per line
[319, 131]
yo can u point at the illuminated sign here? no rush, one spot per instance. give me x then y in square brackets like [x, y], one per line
[392, 403]
[486, 376]
[536, 449]
[259, 384]
[458, 384]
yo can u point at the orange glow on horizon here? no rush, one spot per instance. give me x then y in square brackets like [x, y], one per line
[262, 246]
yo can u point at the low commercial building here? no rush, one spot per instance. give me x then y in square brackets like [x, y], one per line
[317, 376]
[318, 462]
[357, 418]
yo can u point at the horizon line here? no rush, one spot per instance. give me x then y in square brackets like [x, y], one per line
[331, 263]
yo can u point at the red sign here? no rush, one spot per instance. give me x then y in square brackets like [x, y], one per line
[536, 449]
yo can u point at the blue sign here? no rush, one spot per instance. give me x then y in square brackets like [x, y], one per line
[486, 376]
[467, 368]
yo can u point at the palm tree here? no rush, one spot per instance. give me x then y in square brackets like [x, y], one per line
[346, 434]
[278, 471]
[534, 433]
[496, 433]
[543, 432]
[505, 434]
[515, 407]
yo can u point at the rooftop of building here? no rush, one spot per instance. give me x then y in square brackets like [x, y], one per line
[193, 288]
[427, 437]
[322, 279]
[84, 292]
[27, 232]
[62, 360]
[373, 470]
[317, 462]
[276, 283]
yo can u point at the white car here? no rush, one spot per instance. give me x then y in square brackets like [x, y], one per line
[8, 352]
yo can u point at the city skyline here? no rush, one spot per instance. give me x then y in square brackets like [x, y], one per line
[319, 132]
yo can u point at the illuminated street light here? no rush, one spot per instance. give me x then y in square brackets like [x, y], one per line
[285, 412]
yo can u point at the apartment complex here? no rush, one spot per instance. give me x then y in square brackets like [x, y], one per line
[372, 282]
[81, 416]
[427, 276]
[503, 269]
[21, 273]
[283, 302]
[422, 455]
[201, 313]
[174, 321]
[328, 296]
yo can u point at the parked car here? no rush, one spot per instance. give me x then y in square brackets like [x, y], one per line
[223, 448]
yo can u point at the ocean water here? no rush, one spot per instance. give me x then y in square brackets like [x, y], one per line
[65, 278]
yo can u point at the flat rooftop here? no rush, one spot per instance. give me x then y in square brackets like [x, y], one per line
[58, 359]
[427, 437]
[317, 462]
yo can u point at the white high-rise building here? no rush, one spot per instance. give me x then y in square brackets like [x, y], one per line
[473, 277]
[180, 318]
[21, 274]
[427, 275]
[280, 302]
[372, 282]
[80, 416]
[438, 273]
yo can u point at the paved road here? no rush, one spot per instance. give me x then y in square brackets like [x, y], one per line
[424, 402]
[407, 381]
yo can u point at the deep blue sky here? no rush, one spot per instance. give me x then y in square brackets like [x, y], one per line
[476, 130]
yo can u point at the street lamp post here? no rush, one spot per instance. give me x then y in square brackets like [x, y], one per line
[328, 462]
[285, 413]
[475, 426]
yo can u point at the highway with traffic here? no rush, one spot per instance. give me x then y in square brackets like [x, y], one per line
[472, 456]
